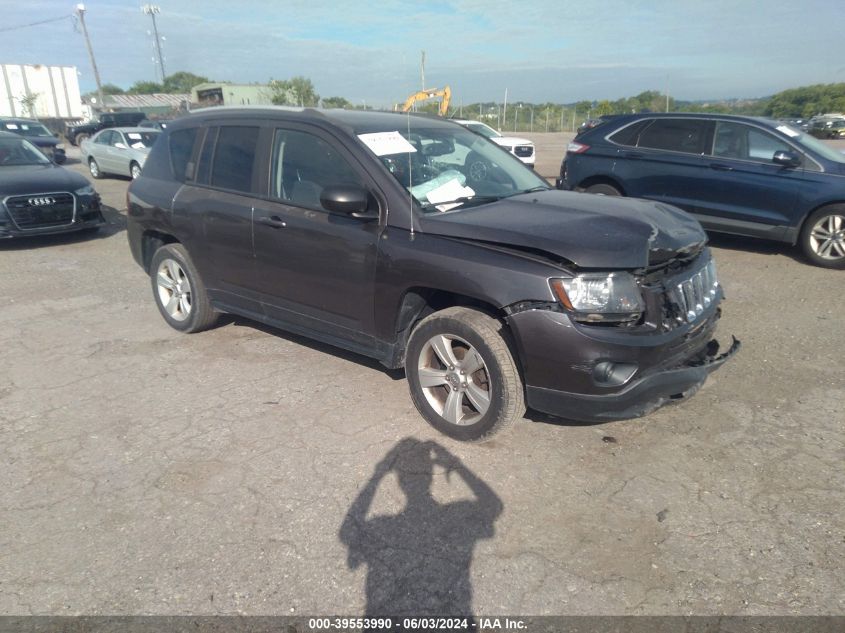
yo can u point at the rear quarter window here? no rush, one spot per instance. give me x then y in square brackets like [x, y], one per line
[630, 134]
[676, 135]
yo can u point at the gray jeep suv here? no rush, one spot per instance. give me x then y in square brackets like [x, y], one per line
[417, 242]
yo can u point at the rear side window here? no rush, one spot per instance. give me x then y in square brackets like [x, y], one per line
[676, 135]
[234, 155]
[630, 134]
[181, 150]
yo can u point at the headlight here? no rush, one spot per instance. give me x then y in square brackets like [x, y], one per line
[600, 297]
[87, 190]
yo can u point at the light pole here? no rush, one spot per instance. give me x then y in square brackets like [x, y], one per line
[80, 12]
[153, 10]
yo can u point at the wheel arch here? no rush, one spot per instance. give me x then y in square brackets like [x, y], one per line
[151, 241]
[601, 180]
[420, 301]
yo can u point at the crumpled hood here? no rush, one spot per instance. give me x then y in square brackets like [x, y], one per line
[588, 230]
[32, 179]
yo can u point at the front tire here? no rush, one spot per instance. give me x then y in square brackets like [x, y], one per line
[823, 237]
[94, 168]
[462, 375]
[134, 170]
[179, 291]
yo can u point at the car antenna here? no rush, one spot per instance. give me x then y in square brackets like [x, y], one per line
[410, 177]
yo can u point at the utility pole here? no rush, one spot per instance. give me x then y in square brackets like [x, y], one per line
[80, 13]
[153, 10]
[422, 70]
[667, 93]
[505, 113]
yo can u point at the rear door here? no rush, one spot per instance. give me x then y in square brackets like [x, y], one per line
[220, 203]
[669, 163]
[315, 269]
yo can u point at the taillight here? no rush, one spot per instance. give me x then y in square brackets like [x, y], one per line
[577, 148]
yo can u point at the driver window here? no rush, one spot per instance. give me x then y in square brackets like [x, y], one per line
[117, 138]
[303, 165]
[105, 138]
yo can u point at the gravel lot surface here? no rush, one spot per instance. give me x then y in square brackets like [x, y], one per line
[243, 470]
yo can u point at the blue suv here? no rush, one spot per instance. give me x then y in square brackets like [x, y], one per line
[741, 175]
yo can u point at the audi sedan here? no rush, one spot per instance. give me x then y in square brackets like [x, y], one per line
[39, 197]
[120, 150]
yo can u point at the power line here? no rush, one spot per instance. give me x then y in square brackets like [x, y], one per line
[24, 26]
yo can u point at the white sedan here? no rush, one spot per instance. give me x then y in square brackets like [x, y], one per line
[522, 148]
[118, 150]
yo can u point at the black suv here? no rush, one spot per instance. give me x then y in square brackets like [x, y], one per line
[78, 133]
[420, 243]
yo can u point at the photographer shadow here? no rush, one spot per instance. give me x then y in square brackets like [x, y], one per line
[418, 561]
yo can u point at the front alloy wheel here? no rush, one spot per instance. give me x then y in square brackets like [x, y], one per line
[462, 374]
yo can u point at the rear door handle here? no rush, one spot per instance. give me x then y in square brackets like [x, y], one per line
[274, 221]
[721, 167]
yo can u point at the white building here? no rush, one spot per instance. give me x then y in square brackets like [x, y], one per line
[35, 91]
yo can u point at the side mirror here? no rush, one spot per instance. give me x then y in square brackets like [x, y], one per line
[347, 199]
[787, 159]
[59, 159]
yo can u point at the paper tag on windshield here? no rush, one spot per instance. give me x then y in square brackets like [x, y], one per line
[134, 135]
[385, 143]
[788, 131]
[138, 145]
[11, 126]
[448, 192]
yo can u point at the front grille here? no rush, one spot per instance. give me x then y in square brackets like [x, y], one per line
[39, 211]
[691, 296]
[523, 151]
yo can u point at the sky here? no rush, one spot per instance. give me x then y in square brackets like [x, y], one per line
[369, 52]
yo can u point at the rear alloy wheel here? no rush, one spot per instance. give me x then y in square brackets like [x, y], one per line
[603, 189]
[823, 237]
[462, 375]
[178, 290]
[134, 170]
[94, 168]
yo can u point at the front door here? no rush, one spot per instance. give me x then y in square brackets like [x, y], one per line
[315, 269]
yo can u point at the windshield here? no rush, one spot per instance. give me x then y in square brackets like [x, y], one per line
[811, 143]
[18, 151]
[25, 129]
[485, 130]
[450, 168]
[141, 140]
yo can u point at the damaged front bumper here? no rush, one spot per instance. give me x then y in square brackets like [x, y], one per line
[638, 398]
[594, 374]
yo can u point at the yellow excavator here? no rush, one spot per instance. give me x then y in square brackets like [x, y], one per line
[444, 93]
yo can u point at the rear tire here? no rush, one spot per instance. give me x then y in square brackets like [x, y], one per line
[179, 291]
[80, 137]
[603, 189]
[462, 375]
[822, 237]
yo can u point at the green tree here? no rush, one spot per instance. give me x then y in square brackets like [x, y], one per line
[337, 102]
[145, 88]
[182, 82]
[298, 91]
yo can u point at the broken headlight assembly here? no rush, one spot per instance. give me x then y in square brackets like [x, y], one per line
[600, 297]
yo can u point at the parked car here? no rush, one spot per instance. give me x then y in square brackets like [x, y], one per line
[37, 134]
[374, 232]
[156, 124]
[39, 197]
[78, 133]
[121, 150]
[740, 175]
[522, 148]
[828, 128]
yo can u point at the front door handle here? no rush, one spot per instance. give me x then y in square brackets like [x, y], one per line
[721, 167]
[274, 221]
